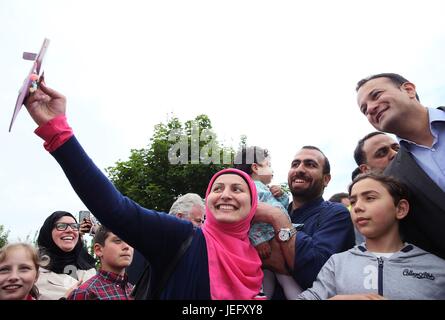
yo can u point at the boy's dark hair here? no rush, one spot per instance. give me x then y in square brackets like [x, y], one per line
[247, 156]
[102, 233]
[359, 154]
[338, 196]
[395, 78]
[396, 189]
[327, 165]
[355, 173]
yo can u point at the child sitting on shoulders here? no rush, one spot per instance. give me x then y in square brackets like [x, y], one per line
[255, 161]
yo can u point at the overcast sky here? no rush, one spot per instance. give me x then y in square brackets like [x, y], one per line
[281, 72]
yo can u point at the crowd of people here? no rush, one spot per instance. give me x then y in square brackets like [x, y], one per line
[249, 240]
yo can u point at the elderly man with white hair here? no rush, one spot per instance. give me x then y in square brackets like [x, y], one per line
[189, 207]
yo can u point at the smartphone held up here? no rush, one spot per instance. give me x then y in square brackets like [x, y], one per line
[88, 222]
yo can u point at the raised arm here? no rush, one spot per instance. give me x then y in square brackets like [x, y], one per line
[152, 233]
[45, 104]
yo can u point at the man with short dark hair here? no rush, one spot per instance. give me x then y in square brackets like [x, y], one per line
[375, 151]
[324, 227]
[391, 104]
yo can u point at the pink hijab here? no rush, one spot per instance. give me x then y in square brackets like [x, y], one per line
[234, 265]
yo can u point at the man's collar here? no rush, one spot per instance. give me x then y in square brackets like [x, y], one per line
[434, 116]
[307, 205]
[113, 277]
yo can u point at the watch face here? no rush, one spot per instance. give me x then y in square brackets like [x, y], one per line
[283, 235]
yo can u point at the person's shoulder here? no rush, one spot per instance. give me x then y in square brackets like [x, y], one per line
[334, 207]
[344, 254]
[91, 282]
[86, 274]
[87, 290]
[419, 253]
[84, 292]
[341, 259]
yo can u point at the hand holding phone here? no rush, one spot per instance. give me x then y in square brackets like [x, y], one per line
[85, 222]
[84, 215]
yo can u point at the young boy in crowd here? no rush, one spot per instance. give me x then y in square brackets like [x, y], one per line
[255, 161]
[385, 267]
[111, 282]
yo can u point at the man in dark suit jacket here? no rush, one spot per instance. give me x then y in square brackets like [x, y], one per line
[425, 223]
[391, 104]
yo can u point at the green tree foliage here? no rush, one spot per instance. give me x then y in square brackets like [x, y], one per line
[149, 177]
[3, 236]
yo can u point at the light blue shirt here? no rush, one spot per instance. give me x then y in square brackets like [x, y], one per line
[431, 160]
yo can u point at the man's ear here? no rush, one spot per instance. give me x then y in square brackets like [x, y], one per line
[326, 179]
[409, 88]
[402, 209]
[98, 250]
[254, 167]
[364, 168]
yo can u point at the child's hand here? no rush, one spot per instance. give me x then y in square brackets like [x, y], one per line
[264, 250]
[276, 191]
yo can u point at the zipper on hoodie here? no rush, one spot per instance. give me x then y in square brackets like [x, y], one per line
[380, 276]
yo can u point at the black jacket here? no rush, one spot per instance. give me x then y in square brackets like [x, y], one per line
[424, 225]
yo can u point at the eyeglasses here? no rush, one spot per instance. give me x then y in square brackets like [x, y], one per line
[62, 226]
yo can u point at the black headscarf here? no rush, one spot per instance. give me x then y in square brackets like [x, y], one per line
[59, 259]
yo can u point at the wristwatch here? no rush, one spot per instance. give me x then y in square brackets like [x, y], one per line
[284, 234]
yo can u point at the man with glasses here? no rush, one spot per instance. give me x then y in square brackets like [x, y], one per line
[391, 104]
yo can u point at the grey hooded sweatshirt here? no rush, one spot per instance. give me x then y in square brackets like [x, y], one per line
[411, 273]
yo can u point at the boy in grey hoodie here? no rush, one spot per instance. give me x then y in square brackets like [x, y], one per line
[383, 266]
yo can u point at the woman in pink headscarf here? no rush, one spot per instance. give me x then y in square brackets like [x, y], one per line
[219, 263]
[234, 265]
